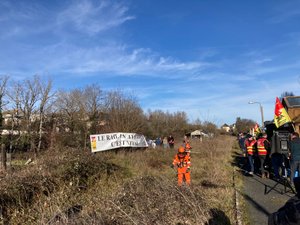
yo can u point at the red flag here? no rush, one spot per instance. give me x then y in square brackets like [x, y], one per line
[257, 130]
[281, 116]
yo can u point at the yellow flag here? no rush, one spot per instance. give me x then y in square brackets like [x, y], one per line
[257, 130]
[281, 116]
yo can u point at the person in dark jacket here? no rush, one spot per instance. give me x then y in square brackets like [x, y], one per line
[277, 160]
[289, 214]
[171, 141]
[242, 140]
[294, 147]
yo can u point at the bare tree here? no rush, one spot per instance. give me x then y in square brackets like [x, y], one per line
[179, 123]
[14, 96]
[3, 88]
[210, 127]
[124, 114]
[3, 83]
[157, 123]
[93, 104]
[243, 125]
[73, 116]
[25, 95]
[45, 96]
[165, 123]
[68, 107]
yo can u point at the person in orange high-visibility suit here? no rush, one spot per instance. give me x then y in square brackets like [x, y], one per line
[182, 162]
[187, 147]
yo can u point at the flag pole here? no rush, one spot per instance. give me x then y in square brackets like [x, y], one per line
[293, 127]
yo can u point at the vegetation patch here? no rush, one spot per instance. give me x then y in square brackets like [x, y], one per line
[72, 186]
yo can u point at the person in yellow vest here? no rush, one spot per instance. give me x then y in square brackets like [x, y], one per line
[250, 144]
[263, 150]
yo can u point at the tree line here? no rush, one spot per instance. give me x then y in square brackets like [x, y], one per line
[42, 117]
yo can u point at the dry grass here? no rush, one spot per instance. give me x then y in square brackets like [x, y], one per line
[137, 187]
[236, 151]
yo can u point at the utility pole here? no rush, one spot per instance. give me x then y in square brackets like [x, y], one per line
[261, 113]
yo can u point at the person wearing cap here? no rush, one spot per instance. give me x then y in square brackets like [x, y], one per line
[290, 212]
[182, 163]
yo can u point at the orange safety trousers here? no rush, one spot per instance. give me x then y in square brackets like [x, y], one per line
[183, 162]
[183, 174]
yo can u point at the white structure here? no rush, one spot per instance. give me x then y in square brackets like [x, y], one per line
[198, 134]
[226, 127]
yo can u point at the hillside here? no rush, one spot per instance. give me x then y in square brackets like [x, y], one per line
[70, 186]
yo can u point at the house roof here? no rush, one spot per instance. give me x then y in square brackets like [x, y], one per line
[198, 132]
[291, 101]
[225, 125]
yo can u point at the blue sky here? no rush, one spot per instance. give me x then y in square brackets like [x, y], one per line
[208, 58]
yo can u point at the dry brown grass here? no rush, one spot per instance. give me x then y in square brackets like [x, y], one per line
[74, 187]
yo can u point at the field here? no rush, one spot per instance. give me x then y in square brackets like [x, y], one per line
[71, 186]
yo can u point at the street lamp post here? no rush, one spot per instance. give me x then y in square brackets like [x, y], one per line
[261, 112]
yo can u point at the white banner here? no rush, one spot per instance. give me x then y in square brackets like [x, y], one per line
[102, 142]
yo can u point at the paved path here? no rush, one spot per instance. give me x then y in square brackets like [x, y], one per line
[262, 196]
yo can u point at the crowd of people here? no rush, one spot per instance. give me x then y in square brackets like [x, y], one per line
[165, 142]
[257, 150]
[261, 160]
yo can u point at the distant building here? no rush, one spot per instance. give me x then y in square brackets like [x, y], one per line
[232, 126]
[10, 116]
[198, 134]
[226, 127]
[12, 119]
[292, 106]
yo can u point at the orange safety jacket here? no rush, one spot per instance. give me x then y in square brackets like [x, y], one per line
[261, 146]
[188, 147]
[182, 160]
[250, 146]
